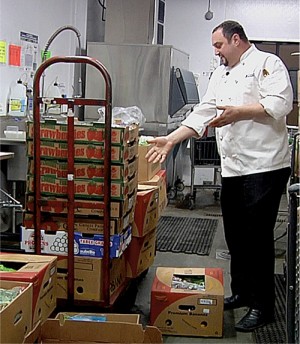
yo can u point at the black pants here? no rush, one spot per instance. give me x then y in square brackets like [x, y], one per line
[250, 205]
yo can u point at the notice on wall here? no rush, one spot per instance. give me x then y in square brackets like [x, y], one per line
[3, 51]
[14, 53]
[29, 44]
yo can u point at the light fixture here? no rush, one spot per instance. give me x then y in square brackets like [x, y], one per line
[209, 14]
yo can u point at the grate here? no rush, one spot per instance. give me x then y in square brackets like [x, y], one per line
[275, 332]
[185, 234]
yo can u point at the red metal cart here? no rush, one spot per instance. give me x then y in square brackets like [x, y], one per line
[71, 201]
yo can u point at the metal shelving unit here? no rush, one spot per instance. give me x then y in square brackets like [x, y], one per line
[204, 154]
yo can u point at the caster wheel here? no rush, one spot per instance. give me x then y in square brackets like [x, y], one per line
[180, 186]
[172, 194]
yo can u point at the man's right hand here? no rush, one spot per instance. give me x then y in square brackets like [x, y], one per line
[161, 147]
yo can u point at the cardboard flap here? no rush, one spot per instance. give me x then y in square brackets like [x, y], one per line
[152, 335]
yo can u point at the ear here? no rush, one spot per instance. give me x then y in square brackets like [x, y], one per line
[235, 39]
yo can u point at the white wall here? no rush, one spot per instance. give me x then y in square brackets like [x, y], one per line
[42, 18]
[187, 29]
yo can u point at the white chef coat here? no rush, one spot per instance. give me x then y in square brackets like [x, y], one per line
[249, 146]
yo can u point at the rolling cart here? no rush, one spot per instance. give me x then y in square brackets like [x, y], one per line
[72, 203]
[204, 154]
[293, 251]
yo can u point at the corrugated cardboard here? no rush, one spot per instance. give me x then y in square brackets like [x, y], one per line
[88, 278]
[146, 210]
[159, 180]
[140, 254]
[122, 328]
[188, 301]
[41, 271]
[16, 317]
[146, 170]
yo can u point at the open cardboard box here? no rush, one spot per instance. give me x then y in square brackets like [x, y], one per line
[188, 301]
[41, 271]
[115, 328]
[16, 317]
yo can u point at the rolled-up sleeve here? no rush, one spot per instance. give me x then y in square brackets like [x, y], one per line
[276, 89]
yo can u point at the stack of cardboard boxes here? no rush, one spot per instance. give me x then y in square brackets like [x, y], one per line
[150, 202]
[89, 205]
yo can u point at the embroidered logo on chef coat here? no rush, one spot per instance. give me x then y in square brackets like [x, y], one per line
[249, 75]
[265, 72]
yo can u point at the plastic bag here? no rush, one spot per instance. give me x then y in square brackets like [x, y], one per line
[127, 116]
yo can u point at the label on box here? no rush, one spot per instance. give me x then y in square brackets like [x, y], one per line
[84, 245]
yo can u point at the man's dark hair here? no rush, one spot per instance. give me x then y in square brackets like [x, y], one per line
[231, 27]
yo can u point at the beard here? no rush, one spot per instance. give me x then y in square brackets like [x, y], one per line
[224, 61]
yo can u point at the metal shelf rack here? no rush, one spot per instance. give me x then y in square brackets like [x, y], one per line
[204, 154]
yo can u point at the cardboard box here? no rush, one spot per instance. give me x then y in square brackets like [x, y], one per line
[140, 254]
[146, 170]
[84, 132]
[118, 328]
[146, 210]
[188, 301]
[57, 205]
[83, 188]
[81, 224]
[59, 169]
[16, 317]
[83, 151]
[88, 278]
[159, 180]
[88, 245]
[41, 271]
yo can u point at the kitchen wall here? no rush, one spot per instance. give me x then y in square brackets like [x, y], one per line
[41, 18]
[188, 30]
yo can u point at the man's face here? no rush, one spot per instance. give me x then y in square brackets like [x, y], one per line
[225, 49]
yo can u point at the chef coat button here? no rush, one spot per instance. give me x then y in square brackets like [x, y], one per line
[223, 156]
[221, 138]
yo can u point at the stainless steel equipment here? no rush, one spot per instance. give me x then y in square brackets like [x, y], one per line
[154, 78]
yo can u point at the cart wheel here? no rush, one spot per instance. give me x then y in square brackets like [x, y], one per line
[172, 193]
[180, 186]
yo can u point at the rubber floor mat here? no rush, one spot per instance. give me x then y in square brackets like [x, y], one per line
[185, 234]
[275, 331]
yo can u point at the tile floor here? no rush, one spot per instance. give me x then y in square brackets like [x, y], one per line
[206, 205]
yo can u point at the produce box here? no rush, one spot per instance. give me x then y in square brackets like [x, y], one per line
[83, 151]
[113, 328]
[140, 254]
[84, 132]
[41, 271]
[88, 278]
[89, 245]
[146, 210]
[83, 188]
[90, 170]
[84, 224]
[146, 170]
[188, 301]
[56, 205]
[159, 180]
[16, 316]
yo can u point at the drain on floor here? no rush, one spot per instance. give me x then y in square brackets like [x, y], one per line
[222, 254]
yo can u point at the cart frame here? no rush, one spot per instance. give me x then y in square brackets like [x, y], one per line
[71, 103]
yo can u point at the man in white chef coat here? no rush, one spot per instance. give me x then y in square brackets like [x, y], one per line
[248, 98]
